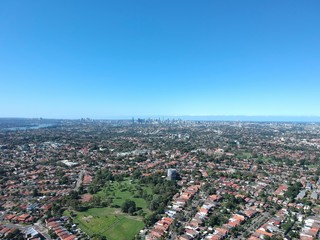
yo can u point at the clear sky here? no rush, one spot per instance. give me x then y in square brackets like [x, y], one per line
[100, 59]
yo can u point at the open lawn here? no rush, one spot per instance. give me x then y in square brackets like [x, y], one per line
[109, 222]
[112, 222]
[245, 155]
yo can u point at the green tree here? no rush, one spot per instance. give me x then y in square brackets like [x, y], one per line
[129, 204]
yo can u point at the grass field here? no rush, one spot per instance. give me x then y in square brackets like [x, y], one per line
[245, 155]
[112, 222]
[109, 222]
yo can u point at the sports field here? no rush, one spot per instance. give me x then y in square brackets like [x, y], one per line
[112, 222]
[109, 222]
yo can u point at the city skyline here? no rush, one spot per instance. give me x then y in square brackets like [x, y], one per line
[122, 59]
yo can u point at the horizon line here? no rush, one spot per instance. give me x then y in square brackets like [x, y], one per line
[167, 116]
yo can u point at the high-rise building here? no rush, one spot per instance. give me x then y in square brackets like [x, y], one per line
[172, 174]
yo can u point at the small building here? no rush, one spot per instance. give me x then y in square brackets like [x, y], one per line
[301, 194]
[314, 195]
[31, 233]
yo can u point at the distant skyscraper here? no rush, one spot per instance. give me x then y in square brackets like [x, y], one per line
[172, 174]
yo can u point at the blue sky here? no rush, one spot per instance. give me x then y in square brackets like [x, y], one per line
[100, 59]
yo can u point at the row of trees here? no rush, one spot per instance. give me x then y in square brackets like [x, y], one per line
[163, 191]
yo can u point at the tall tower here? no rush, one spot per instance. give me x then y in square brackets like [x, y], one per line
[172, 174]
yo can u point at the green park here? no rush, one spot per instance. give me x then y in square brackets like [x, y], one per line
[112, 222]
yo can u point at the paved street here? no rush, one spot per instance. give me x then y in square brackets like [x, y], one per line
[255, 223]
[79, 181]
[42, 230]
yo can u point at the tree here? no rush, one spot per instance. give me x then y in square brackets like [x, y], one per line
[129, 204]
[216, 220]
[150, 219]
[35, 192]
[131, 210]
[73, 195]
[154, 204]
[15, 235]
[96, 200]
[64, 180]
[293, 190]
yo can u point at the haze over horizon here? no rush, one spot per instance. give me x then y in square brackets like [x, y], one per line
[149, 58]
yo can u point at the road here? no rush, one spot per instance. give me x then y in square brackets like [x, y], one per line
[22, 228]
[37, 226]
[79, 181]
[255, 224]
